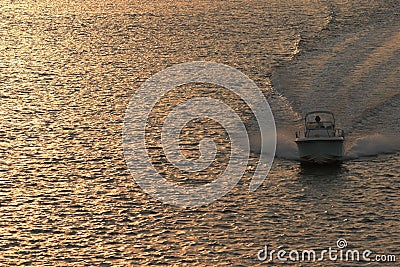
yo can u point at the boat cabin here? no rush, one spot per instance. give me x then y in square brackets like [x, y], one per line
[320, 124]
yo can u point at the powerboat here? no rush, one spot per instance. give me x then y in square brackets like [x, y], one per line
[320, 142]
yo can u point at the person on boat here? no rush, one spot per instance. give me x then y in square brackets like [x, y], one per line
[318, 121]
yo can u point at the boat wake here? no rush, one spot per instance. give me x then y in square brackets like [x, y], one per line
[354, 74]
[373, 145]
[370, 145]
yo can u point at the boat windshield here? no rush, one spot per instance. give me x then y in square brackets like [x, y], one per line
[318, 120]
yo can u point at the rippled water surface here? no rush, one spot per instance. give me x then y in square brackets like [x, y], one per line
[67, 73]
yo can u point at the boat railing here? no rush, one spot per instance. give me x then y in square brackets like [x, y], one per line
[339, 132]
[329, 133]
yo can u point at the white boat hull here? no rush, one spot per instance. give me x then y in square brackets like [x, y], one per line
[321, 150]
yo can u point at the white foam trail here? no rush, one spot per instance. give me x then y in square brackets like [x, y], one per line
[286, 147]
[372, 145]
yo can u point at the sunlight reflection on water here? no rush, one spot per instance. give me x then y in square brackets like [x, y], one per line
[67, 72]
